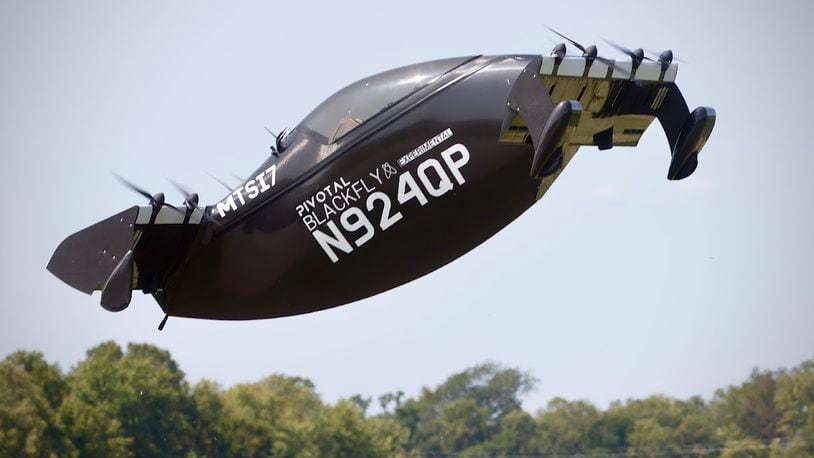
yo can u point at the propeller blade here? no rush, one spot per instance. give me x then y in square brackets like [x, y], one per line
[620, 48]
[636, 55]
[657, 54]
[179, 187]
[578, 46]
[222, 183]
[135, 188]
[190, 198]
[156, 200]
[278, 140]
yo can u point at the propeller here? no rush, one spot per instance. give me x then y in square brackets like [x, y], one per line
[589, 53]
[191, 201]
[278, 147]
[190, 198]
[558, 52]
[665, 58]
[636, 55]
[156, 200]
[278, 140]
[221, 182]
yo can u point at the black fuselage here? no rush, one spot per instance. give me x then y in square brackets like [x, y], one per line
[266, 259]
[387, 180]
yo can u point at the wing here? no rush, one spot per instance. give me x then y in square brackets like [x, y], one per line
[560, 104]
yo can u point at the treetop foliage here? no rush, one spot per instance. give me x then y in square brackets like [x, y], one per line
[137, 402]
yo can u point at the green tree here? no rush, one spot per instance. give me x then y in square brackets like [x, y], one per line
[27, 424]
[46, 376]
[465, 410]
[343, 432]
[746, 414]
[794, 399]
[389, 436]
[136, 401]
[566, 427]
[515, 436]
[390, 398]
[272, 417]
[668, 426]
[205, 420]
[613, 428]
[362, 402]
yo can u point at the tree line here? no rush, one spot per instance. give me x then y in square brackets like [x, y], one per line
[137, 402]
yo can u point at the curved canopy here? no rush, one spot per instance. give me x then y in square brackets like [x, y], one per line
[360, 101]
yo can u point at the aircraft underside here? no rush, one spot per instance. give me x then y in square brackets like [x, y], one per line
[349, 207]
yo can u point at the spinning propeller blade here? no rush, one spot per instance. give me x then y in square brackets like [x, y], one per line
[665, 56]
[578, 46]
[190, 198]
[636, 55]
[277, 148]
[135, 188]
[590, 53]
[221, 182]
[156, 200]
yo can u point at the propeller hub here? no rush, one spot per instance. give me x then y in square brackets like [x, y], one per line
[590, 53]
[637, 55]
[558, 52]
[666, 58]
[158, 200]
[191, 201]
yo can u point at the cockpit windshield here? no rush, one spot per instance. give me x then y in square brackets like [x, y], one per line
[355, 104]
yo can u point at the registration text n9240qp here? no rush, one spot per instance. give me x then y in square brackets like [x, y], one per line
[359, 224]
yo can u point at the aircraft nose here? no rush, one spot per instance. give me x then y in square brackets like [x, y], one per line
[86, 259]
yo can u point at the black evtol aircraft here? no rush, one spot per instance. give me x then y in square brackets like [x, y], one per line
[387, 180]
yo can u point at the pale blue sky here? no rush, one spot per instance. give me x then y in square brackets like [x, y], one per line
[617, 284]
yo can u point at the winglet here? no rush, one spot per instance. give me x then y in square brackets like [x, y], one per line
[691, 139]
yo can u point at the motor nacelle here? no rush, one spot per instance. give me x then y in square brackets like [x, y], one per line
[690, 141]
[559, 126]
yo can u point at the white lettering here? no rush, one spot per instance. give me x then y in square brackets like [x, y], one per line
[335, 240]
[361, 222]
[226, 205]
[455, 165]
[387, 219]
[251, 189]
[309, 222]
[409, 189]
[444, 184]
[376, 176]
